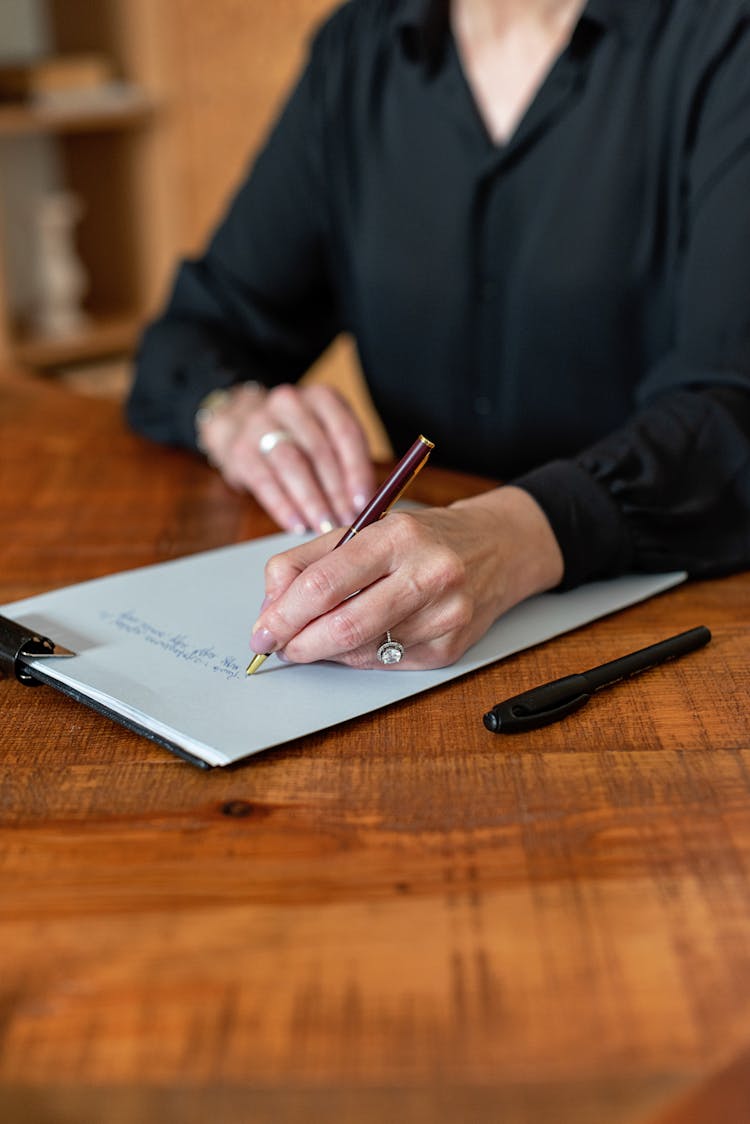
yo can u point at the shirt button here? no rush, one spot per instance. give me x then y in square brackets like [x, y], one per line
[482, 406]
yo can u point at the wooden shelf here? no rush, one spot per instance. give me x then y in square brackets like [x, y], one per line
[119, 110]
[105, 335]
[107, 146]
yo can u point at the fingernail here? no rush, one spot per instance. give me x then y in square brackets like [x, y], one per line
[297, 528]
[325, 526]
[283, 657]
[266, 602]
[263, 641]
[359, 501]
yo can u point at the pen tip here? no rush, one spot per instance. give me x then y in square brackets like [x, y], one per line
[255, 663]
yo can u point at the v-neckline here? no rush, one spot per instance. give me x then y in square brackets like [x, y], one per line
[557, 80]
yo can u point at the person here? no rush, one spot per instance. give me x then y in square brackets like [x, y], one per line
[534, 218]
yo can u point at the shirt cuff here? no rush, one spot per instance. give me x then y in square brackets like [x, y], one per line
[204, 379]
[589, 527]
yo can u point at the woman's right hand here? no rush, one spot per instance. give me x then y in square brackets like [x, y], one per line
[317, 475]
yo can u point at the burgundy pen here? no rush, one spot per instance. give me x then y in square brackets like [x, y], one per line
[383, 500]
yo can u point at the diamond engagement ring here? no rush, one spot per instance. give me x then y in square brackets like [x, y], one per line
[391, 651]
[274, 437]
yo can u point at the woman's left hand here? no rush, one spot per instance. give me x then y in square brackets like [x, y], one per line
[435, 578]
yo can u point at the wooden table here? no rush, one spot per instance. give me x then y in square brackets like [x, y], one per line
[401, 919]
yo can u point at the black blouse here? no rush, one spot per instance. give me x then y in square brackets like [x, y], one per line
[569, 310]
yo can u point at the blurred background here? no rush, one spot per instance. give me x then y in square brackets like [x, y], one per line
[125, 126]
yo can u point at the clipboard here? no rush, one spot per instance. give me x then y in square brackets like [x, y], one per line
[19, 645]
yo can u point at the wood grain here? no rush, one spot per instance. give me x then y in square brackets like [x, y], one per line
[404, 917]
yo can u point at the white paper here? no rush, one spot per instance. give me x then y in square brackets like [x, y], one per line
[166, 646]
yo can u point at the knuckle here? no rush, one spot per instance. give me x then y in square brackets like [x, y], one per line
[450, 651]
[289, 458]
[403, 528]
[444, 575]
[359, 660]
[277, 570]
[282, 395]
[460, 613]
[241, 450]
[318, 449]
[447, 572]
[317, 584]
[324, 394]
[351, 431]
[345, 632]
[445, 650]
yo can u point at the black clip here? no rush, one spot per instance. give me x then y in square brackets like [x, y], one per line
[17, 644]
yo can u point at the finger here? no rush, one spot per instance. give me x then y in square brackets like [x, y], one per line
[318, 616]
[433, 635]
[438, 652]
[320, 586]
[282, 480]
[392, 567]
[396, 571]
[291, 406]
[251, 472]
[281, 569]
[348, 439]
[298, 477]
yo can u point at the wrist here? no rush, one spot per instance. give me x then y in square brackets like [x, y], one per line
[523, 556]
[216, 412]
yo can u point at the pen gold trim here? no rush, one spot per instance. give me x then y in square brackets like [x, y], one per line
[390, 491]
[256, 662]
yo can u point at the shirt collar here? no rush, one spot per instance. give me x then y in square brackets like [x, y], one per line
[412, 13]
[425, 22]
[623, 16]
[423, 26]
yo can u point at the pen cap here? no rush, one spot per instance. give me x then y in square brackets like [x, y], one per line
[539, 706]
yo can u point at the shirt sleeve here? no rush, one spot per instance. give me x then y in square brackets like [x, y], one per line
[671, 489]
[259, 304]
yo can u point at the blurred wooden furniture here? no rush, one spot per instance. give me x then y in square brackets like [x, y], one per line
[156, 170]
[404, 918]
[114, 156]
